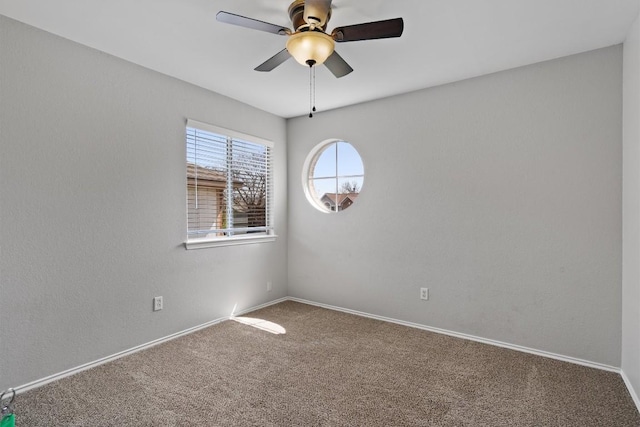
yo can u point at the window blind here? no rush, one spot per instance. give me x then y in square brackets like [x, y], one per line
[229, 183]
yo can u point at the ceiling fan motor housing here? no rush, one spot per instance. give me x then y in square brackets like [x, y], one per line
[296, 14]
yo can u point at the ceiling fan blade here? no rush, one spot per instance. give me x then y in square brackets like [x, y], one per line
[316, 11]
[369, 31]
[274, 61]
[337, 65]
[254, 24]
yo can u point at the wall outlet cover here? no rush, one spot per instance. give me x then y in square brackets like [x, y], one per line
[157, 303]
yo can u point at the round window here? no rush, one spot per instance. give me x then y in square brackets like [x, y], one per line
[332, 176]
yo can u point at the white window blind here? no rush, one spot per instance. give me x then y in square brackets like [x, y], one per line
[229, 184]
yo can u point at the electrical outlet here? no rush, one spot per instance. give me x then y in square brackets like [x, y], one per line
[269, 286]
[157, 303]
[424, 293]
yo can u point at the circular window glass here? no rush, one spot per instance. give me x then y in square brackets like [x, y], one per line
[332, 176]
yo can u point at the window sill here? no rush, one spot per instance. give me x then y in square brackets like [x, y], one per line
[228, 241]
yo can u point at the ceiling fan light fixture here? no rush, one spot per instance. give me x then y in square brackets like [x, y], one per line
[310, 47]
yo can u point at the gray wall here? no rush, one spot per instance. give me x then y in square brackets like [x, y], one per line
[93, 216]
[501, 194]
[631, 209]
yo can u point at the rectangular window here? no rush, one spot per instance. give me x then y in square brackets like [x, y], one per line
[229, 187]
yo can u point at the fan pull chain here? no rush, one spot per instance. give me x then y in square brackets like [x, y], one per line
[310, 91]
[312, 87]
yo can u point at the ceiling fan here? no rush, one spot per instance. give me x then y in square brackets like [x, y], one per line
[310, 44]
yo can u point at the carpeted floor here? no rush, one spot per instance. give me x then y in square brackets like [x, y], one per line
[329, 369]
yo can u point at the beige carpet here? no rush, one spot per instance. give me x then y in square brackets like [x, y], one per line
[329, 369]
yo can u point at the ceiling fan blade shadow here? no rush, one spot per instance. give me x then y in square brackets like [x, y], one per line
[369, 31]
[254, 24]
[337, 65]
[274, 61]
[317, 11]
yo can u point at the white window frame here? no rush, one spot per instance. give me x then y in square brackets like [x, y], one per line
[270, 236]
[307, 174]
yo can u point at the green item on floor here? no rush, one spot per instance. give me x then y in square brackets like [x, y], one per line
[8, 421]
[7, 418]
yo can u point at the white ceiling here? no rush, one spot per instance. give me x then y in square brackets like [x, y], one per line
[443, 41]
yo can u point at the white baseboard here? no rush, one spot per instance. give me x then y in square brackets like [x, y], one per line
[466, 336]
[632, 391]
[72, 371]
[258, 307]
